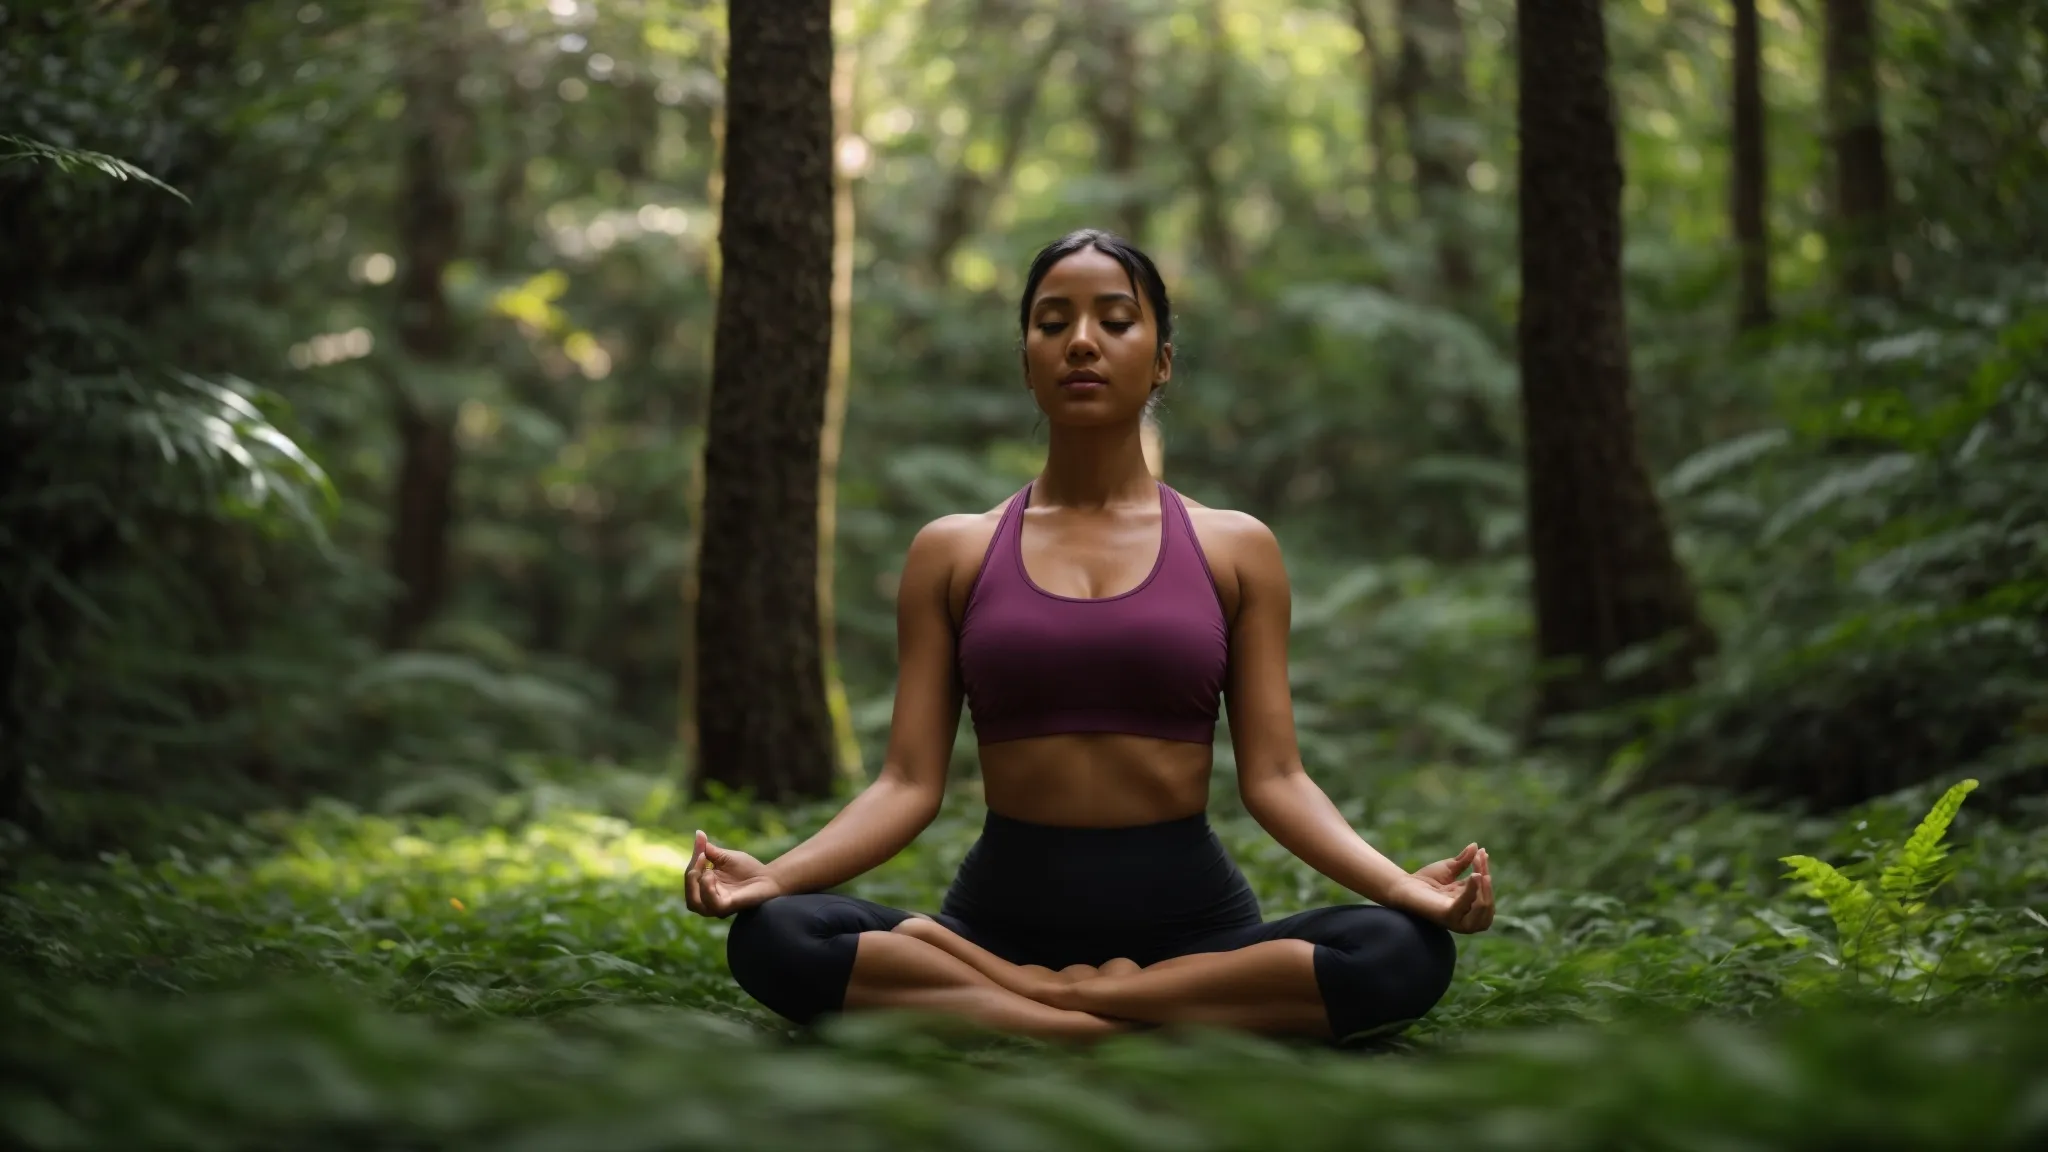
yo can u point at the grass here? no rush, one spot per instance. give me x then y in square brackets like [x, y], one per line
[521, 973]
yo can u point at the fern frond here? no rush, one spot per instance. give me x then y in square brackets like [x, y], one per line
[1852, 906]
[1713, 462]
[1917, 868]
[72, 159]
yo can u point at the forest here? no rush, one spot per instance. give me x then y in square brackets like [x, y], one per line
[455, 450]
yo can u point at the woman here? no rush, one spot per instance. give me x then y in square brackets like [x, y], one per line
[1091, 624]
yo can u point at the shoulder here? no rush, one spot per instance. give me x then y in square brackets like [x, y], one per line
[945, 556]
[1242, 553]
[1226, 533]
[950, 534]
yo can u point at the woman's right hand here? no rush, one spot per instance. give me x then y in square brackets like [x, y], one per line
[722, 881]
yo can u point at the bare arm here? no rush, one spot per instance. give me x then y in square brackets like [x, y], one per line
[1277, 790]
[904, 797]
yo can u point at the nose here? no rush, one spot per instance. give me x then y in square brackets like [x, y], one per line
[1081, 344]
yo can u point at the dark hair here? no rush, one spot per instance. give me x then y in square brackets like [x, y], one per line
[1143, 273]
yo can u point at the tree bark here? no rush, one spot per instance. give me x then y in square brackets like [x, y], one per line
[1378, 98]
[1606, 578]
[1202, 133]
[1429, 89]
[1112, 95]
[967, 191]
[1862, 178]
[838, 384]
[693, 584]
[762, 720]
[429, 235]
[1751, 180]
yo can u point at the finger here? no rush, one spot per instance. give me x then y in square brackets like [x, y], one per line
[1468, 892]
[693, 897]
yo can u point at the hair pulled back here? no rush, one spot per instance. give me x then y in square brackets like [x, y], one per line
[1144, 274]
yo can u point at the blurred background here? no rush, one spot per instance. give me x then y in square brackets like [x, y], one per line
[1653, 417]
[372, 455]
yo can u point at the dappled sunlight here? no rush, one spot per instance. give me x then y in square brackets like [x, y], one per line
[567, 848]
[457, 450]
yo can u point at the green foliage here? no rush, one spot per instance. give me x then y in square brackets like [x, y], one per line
[78, 159]
[236, 982]
[1886, 933]
[476, 940]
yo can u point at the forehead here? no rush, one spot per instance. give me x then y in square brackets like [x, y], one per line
[1084, 275]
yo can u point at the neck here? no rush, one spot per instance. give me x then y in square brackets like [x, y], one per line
[1094, 468]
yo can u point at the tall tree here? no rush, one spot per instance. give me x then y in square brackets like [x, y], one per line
[1112, 93]
[429, 235]
[1203, 128]
[761, 715]
[1862, 178]
[967, 190]
[1433, 98]
[1751, 178]
[693, 585]
[849, 152]
[1430, 91]
[1606, 578]
[1378, 69]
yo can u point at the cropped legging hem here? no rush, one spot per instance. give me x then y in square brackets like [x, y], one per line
[1376, 968]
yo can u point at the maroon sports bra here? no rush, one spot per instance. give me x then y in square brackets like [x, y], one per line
[1147, 662]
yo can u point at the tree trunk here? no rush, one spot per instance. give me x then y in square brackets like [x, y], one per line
[762, 718]
[1202, 133]
[1862, 180]
[1606, 578]
[1429, 89]
[429, 234]
[838, 383]
[693, 585]
[1378, 97]
[1112, 95]
[960, 209]
[1751, 176]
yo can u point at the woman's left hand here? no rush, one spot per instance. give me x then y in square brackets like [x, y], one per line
[1437, 895]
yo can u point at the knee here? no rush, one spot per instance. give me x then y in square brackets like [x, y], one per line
[785, 955]
[1384, 968]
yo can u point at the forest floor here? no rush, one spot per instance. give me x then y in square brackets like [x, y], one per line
[519, 972]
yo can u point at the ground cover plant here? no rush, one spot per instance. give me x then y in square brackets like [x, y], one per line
[355, 375]
[521, 972]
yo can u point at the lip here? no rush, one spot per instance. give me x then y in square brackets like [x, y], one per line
[1083, 382]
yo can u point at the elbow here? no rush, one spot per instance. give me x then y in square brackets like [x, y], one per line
[918, 795]
[1264, 793]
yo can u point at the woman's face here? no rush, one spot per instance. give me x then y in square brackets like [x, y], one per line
[1091, 352]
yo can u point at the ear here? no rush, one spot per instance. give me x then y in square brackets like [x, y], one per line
[1162, 366]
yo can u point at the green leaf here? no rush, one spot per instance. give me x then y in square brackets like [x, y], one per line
[72, 159]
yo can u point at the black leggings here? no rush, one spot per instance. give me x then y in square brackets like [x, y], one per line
[1034, 894]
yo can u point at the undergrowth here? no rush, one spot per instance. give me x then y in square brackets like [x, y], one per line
[519, 971]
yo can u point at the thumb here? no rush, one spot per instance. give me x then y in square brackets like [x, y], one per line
[710, 851]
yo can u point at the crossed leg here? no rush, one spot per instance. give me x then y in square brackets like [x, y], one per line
[906, 968]
[1267, 987]
[1331, 972]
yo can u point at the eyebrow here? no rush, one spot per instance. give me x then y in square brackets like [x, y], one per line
[1104, 298]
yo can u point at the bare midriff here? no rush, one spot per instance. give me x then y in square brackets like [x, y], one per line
[1096, 780]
